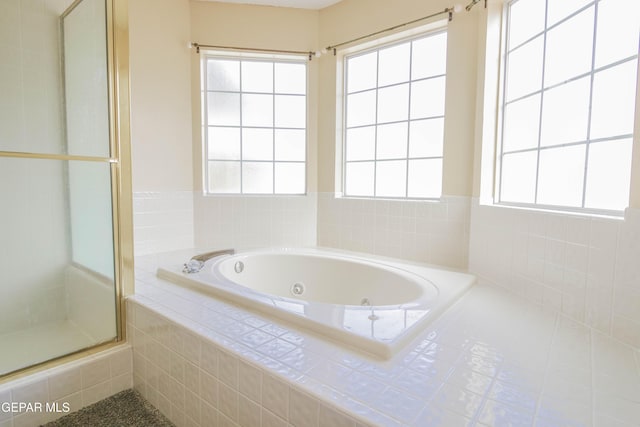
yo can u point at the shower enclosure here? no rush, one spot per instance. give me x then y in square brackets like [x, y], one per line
[62, 192]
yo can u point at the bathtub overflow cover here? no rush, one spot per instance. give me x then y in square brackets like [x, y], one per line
[238, 267]
[297, 289]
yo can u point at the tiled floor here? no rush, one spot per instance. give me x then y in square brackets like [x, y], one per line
[492, 360]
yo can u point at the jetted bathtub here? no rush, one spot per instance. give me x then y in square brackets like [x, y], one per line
[374, 304]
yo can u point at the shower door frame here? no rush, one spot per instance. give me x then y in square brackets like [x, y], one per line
[117, 28]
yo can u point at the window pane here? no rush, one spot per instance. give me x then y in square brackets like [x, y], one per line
[425, 178]
[257, 144]
[359, 179]
[361, 143]
[257, 76]
[392, 141]
[290, 144]
[393, 103]
[518, 184]
[561, 176]
[427, 98]
[609, 175]
[361, 72]
[291, 78]
[223, 74]
[224, 143]
[393, 64]
[526, 20]
[569, 49]
[257, 110]
[560, 9]
[565, 113]
[291, 111]
[524, 69]
[614, 98]
[429, 56]
[391, 178]
[521, 120]
[290, 178]
[617, 34]
[224, 177]
[426, 138]
[223, 109]
[361, 109]
[257, 178]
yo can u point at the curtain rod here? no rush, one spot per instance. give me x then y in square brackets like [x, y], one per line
[448, 11]
[310, 54]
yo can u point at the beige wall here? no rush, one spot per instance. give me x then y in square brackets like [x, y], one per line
[353, 18]
[160, 95]
[262, 27]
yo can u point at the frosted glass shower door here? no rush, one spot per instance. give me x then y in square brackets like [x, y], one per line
[58, 292]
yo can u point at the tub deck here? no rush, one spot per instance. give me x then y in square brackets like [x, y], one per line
[493, 359]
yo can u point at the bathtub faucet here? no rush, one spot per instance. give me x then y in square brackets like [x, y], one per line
[196, 263]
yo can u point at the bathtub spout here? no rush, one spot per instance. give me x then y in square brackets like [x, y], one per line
[196, 262]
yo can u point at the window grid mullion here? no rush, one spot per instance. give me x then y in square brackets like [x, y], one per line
[406, 172]
[544, 63]
[593, 64]
[273, 130]
[375, 133]
[205, 129]
[241, 134]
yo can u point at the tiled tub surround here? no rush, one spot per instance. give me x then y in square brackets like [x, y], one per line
[434, 232]
[492, 359]
[372, 303]
[78, 383]
[162, 221]
[585, 267]
[255, 221]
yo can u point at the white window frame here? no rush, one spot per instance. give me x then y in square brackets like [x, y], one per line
[430, 29]
[499, 134]
[257, 57]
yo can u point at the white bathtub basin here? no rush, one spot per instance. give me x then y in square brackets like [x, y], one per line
[376, 305]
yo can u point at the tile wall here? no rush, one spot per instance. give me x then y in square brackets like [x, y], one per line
[203, 361]
[162, 221]
[432, 232]
[78, 384]
[196, 380]
[255, 221]
[586, 267]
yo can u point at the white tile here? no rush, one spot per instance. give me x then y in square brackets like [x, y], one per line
[329, 417]
[228, 401]
[249, 412]
[304, 410]
[95, 372]
[96, 393]
[275, 396]
[33, 391]
[64, 383]
[269, 419]
[250, 381]
[209, 389]
[228, 369]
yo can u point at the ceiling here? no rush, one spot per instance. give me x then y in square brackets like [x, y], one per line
[302, 4]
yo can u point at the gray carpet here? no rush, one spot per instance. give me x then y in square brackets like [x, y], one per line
[125, 409]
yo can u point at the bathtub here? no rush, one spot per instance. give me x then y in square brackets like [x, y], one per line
[374, 304]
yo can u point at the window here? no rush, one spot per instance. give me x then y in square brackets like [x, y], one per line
[394, 119]
[254, 125]
[568, 103]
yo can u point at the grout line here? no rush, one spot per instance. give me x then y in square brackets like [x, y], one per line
[547, 365]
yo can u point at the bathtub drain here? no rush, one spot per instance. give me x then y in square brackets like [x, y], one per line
[297, 289]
